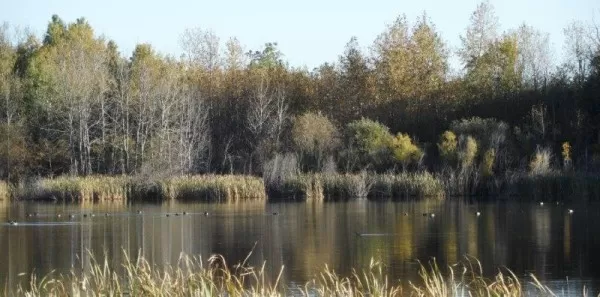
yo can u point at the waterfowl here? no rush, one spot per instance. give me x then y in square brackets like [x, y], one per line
[29, 215]
[478, 213]
[106, 214]
[541, 203]
[35, 214]
[59, 215]
[405, 214]
[570, 211]
[85, 215]
[275, 213]
[206, 213]
[176, 214]
[92, 215]
[167, 215]
[12, 223]
[139, 212]
[184, 213]
[71, 216]
[432, 215]
[424, 214]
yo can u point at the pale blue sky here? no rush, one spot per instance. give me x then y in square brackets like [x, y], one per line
[309, 32]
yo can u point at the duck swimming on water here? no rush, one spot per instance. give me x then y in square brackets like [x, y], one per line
[12, 223]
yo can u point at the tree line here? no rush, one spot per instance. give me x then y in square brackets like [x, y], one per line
[71, 103]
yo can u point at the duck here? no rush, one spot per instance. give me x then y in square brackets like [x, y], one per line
[12, 223]
[541, 203]
[29, 215]
[58, 215]
[106, 214]
[176, 214]
[478, 213]
[206, 213]
[432, 215]
[168, 215]
[405, 214]
[275, 213]
[85, 215]
[570, 211]
[139, 212]
[184, 213]
[71, 216]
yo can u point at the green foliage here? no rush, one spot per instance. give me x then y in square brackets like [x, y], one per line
[404, 150]
[467, 151]
[368, 142]
[487, 164]
[447, 147]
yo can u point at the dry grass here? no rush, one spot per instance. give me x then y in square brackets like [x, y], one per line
[406, 185]
[79, 189]
[220, 188]
[191, 276]
[5, 192]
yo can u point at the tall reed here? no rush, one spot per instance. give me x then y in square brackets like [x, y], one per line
[192, 276]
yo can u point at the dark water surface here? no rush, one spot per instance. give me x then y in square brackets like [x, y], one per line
[562, 249]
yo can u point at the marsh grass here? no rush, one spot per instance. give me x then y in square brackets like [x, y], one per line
[190, 276]
[217, 188]
[78, 189]
[220, 188]
[406, 185]
[341, 187]
[193, 276]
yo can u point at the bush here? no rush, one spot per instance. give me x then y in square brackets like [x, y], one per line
[447, 147]
[489, 133]
[314, 136]
[468, 151]
[368, 143]
[404, 150]
[540, 164]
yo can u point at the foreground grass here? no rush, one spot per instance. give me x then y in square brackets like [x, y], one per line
[192, 276]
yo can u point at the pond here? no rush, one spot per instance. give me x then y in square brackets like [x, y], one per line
[561, 248]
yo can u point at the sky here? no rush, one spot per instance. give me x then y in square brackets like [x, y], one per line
[308, 32]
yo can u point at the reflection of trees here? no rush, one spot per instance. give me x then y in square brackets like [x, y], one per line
[304, 236]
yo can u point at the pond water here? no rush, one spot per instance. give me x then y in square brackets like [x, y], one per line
[562, 249]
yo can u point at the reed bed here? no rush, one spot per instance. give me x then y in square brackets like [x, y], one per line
[339, 187]
[78, 189]
[191, 276]
[406, 185]
[220, 188]
[217, 188]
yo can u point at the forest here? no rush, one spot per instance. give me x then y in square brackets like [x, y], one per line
[72, 104]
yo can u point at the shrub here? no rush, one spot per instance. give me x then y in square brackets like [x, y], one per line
[468, 151]
[368, 142]
[489, 133]
[404, 150]
[447, 147]
[540, 164]
[314, 135]
[566, 154]
[487, 166]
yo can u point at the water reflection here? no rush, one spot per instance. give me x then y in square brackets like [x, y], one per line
[545, 240]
